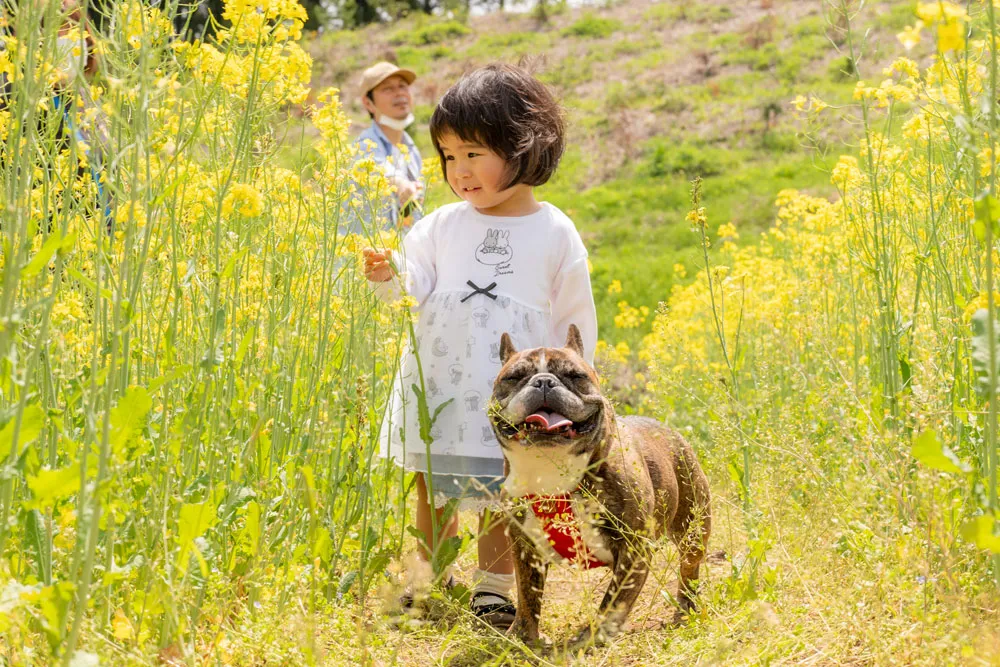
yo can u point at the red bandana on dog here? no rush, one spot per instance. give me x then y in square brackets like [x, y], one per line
[559, 522]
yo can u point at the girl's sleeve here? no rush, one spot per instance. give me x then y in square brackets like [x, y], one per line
[417, 267]
[572, 300]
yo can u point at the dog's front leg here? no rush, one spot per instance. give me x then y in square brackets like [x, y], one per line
[630, 571]
[530, 573]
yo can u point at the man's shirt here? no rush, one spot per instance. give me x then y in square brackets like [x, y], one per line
[394, 163]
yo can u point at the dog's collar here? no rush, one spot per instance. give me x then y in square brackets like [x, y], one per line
[561, 528]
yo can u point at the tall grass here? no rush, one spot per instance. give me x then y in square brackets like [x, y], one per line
[192, 368]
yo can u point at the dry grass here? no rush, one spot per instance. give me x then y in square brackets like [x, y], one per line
[820, 599]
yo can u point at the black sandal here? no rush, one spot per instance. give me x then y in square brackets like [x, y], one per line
[499, 614]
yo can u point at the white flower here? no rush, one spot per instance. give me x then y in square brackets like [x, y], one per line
[84, 659]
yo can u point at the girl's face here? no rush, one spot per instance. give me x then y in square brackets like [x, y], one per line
[475, 172]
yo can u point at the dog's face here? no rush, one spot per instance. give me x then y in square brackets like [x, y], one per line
[548, 398]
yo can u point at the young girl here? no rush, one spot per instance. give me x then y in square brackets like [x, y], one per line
[498, 261]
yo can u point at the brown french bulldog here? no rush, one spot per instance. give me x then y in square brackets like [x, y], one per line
[591, 487]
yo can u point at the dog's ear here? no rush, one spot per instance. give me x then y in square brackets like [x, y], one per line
[574, 340]
[506, 348]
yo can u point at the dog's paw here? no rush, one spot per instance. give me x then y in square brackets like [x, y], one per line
[589, 637]
[686, 609]
[525, 631]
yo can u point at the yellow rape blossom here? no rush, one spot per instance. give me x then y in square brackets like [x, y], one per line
[950, 36]
[909, 37]
[941, 10]
[243, 199]
[630, 317]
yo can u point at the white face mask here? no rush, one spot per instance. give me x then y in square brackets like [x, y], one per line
[393, 124]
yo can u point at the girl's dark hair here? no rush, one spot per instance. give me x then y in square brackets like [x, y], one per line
[510, 112]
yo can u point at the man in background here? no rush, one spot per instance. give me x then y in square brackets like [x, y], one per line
[385, 91]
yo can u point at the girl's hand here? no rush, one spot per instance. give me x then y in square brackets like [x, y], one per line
[378, 265]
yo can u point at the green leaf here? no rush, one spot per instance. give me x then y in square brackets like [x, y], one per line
[423, 416]
[67, 243]
[169, 190]
[987, 210]
[981, 350]
[53, 603]
[175, 374]
[125, 304]
[322, 545]
[979, 230]
[310, 483]
[129, 416]
[736, 474]
[89, 284]
[446, 553]
[195, 519]
[244, 345]
[32, 420]
[251, 527]
[37, 541]
[43, 256]
[979, 531]
[346, 581]
[931, 452]
[50, 486]
[438, 410]
[419, 534]
[905, 371]
[227, 271]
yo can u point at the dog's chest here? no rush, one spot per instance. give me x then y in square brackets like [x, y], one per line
[543, 471]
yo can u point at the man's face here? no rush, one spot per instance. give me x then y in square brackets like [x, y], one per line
[390, 98]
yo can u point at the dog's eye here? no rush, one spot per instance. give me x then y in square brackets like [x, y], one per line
[574, 377]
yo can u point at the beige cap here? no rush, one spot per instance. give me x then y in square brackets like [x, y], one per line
[379, 72]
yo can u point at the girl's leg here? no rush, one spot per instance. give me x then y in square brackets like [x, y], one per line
[424, 520]
[494, 547]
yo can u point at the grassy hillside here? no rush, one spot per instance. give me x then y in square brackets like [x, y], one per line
[657, 93]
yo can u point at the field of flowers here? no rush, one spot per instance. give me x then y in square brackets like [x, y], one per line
[192, 370]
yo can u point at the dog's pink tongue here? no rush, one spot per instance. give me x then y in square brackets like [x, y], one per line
[550, 421]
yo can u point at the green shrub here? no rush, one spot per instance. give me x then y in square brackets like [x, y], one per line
[431, 33]
[593, 26]
[686, 160]
[671, 102]
[841, 69]
[898, 16]
[494, 40]
[661, 14]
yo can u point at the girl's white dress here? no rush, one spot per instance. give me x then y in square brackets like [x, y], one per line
[474, 277]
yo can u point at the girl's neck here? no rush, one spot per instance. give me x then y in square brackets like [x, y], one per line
[520, 202]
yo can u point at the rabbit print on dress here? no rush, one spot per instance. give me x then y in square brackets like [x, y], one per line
[495, 250]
